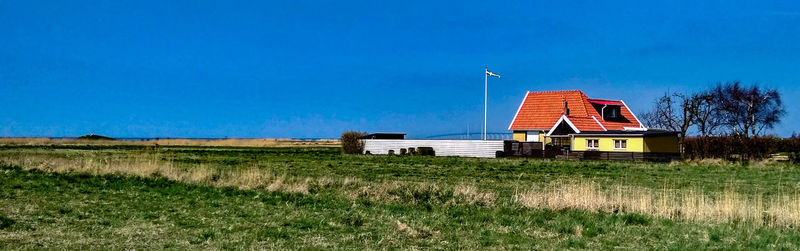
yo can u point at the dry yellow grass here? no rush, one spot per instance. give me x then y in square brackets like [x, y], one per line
[150, 165]
[473, 195]
[689, 204]
[174, 142]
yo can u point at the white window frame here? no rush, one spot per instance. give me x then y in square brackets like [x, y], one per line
[620, 148]
[595, 146]
[532, 136]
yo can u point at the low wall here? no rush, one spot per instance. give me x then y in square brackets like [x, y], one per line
[630, 156]
[462, 148]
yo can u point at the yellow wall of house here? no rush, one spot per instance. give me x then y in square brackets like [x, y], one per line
[522, 136]
[606, 143]
[519, 136]
[662, 144]
[546, 139]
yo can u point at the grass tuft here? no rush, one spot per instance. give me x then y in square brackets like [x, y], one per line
[6, 222]
[636, 219]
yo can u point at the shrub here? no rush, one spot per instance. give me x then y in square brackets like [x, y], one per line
[741, 148]
[792, 147]
[736, 147]
[794, 158]
[352, 142]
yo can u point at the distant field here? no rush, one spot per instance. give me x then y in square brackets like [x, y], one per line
[171, 142]
[131, 196]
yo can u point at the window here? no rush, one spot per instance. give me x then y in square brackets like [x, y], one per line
[532, 136]
[592, 144]
[620, 144]
[612, 113]
[559, 141]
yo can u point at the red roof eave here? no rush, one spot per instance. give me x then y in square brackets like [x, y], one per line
[605, 102]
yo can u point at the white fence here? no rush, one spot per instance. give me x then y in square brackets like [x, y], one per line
[463, 148]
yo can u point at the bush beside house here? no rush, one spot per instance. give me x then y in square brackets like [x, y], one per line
[352, 142]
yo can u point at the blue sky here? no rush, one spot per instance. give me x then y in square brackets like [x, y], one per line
[315, 68]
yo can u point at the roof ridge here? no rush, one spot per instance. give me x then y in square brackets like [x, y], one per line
[584, 99]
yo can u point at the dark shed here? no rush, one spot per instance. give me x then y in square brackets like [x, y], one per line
[383, 135]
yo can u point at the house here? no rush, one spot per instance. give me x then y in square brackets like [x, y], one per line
[571, 120]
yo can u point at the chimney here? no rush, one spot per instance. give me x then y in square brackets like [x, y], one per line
[566, 109]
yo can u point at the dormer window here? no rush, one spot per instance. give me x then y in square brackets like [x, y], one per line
[609, 110]
[611, 113]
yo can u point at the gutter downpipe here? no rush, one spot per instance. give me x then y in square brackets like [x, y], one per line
[603, 112]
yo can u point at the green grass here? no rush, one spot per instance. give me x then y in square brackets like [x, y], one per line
[75, 211]
[495, 173]
[43, 210]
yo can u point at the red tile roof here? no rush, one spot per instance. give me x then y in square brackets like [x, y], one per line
[541, 110]
[585, 123]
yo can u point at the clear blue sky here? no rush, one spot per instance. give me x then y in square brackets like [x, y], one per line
[314, 69]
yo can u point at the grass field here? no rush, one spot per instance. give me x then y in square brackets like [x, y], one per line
[229, 142]
[144, 197]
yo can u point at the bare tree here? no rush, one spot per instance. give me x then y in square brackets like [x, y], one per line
[674, 112]
[724, 94]
[706, 113]
[661, 115]
[648, 118]
[748, 111]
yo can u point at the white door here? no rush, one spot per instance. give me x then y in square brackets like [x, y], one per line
[533, 136]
